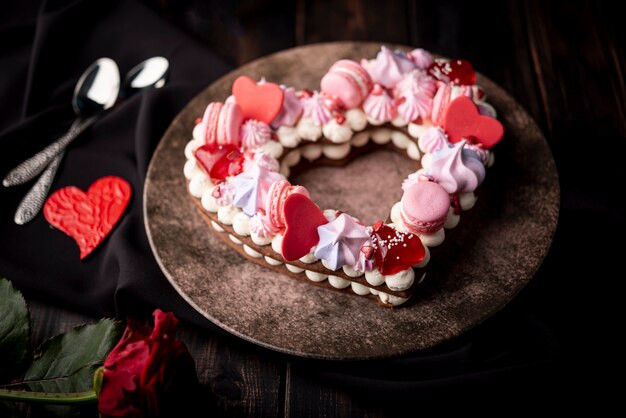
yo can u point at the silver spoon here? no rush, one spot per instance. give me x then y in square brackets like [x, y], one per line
[95, 92]
[151, 73]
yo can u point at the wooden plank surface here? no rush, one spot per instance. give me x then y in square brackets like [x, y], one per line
[241, 379]
[563, 61]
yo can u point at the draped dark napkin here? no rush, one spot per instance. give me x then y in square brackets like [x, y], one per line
[44, 49]
[47, 52]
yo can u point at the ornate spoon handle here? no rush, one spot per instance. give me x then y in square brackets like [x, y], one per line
[32, 203]
[34, 165]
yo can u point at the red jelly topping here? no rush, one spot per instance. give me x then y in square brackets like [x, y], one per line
[220, 161]
[394, 250]
[459, 72]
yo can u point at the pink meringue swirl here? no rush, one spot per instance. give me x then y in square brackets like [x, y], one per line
[416, 91]
[413, 106]
[456, 169]
[388, 67]
[433, 140]
[417, 82]
[315, 108]
[421, 58]
[255, 134]
[340, 241]
[379, 105]
[291, 110]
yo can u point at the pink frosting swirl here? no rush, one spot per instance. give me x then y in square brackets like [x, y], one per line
[255, 134]
[433, 140]
[379, 105]
[261, 226]
[252, 185]
[411, 107]
[416, 91]
[315, 108]
[417, 82]
[421, 58]
[291, 110]
[388, 67]
[456, 169]
[340, 241]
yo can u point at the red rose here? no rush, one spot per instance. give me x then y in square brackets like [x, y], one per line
[147, 371]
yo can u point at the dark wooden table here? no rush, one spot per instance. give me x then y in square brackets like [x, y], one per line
[565, 63]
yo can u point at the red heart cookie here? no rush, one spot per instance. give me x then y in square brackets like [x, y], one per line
[302, 217]
[462, 120]
[88, 217]
[258, 101]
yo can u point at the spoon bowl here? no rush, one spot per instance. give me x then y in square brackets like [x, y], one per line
[151, 73]
[97, 89]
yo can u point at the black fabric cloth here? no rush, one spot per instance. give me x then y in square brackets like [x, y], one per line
[46, 52]
[44, 49]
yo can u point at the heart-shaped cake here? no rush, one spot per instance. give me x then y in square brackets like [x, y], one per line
[242, 152]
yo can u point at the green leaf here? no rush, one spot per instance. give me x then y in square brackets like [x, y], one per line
[66, 363]
[14, 329]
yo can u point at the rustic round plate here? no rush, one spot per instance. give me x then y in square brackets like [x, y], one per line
[487, 259]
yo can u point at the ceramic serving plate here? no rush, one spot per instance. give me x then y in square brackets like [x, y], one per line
[483, 263]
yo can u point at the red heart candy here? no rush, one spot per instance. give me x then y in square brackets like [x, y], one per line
[302, 217]
[395, 251]
[88, 217]
[462, 120]
[258, 101]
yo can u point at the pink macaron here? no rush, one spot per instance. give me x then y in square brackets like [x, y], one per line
[230, 121]
[347, 81]
[440, 103]
[425, 207]
[275, 203]
[210, 121]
